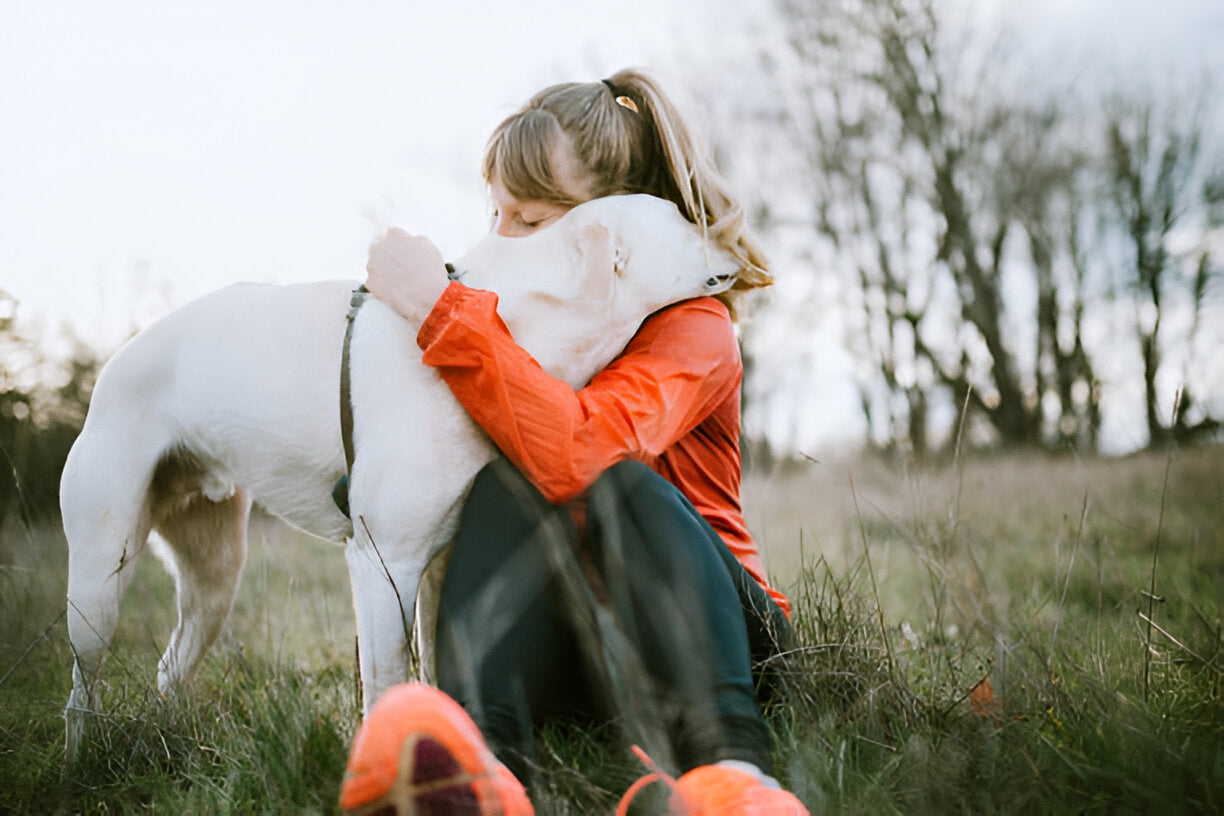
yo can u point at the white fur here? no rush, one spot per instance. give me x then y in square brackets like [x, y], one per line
[233, 399]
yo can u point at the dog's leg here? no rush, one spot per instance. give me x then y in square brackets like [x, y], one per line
[384, 592]
[103, 499]
[208, 542]
[428, 598]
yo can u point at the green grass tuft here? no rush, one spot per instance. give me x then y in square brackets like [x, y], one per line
[910, 585]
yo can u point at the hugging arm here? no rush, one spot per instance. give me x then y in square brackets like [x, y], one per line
[683, 362]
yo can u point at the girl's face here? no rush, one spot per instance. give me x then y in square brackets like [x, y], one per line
[514, 217]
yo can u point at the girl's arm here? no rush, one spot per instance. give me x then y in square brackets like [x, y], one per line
[682, 363]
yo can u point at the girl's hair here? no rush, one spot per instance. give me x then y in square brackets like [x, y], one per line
[629, 138]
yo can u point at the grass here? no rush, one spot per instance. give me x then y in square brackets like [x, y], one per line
[911, 585]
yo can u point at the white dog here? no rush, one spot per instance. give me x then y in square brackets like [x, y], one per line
[234, 399]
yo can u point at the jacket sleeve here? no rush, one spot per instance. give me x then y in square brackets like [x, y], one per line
[679, 366]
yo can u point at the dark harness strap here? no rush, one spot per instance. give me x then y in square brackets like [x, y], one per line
[340, 491]
[346, 386]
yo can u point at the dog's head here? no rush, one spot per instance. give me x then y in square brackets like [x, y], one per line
[575, 292]
[637, 249]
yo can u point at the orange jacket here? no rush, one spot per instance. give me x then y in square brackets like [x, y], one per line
[670, 400]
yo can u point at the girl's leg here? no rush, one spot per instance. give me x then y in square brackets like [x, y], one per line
[505, 649]
[693, 613]
[520, 634]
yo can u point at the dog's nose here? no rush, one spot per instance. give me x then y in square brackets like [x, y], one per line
[451, 274]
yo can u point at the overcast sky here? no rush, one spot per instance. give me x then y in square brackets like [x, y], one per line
[153, 151]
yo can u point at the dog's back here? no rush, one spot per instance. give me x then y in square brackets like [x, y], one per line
[184, 391]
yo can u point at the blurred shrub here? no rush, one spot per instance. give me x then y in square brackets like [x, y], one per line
[42, 408]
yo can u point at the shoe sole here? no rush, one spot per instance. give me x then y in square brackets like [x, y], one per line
[431, 782]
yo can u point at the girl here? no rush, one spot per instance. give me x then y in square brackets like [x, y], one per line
[603, 568]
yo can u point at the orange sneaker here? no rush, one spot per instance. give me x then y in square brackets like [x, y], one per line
[716, 790]
[418, 753]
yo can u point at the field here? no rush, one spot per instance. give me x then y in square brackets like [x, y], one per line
[1014, 634]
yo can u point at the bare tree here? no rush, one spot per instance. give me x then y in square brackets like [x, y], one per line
[1155, 181]
[928, 178]
[989, 237]
[1044, 184]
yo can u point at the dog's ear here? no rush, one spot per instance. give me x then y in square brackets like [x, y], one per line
[599, 261]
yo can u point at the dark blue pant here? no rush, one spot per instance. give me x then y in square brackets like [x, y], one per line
[646, 618]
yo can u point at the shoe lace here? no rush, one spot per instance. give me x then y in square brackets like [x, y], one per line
[656, 775]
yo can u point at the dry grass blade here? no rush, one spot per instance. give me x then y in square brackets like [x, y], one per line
[1062, 602]
[1202, 660]
[1151, 592]
[875, 587]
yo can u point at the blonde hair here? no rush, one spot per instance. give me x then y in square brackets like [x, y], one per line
[629, 138]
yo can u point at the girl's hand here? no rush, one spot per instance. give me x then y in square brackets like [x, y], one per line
[407, 273]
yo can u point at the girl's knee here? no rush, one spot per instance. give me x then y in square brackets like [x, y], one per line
[499, 488]
[650, 521]
[634, 485]
[497, 478]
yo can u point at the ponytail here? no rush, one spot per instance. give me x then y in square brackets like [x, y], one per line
[685, 174]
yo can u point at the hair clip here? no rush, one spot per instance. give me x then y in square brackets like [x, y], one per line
[626, 102]
[621, 99]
